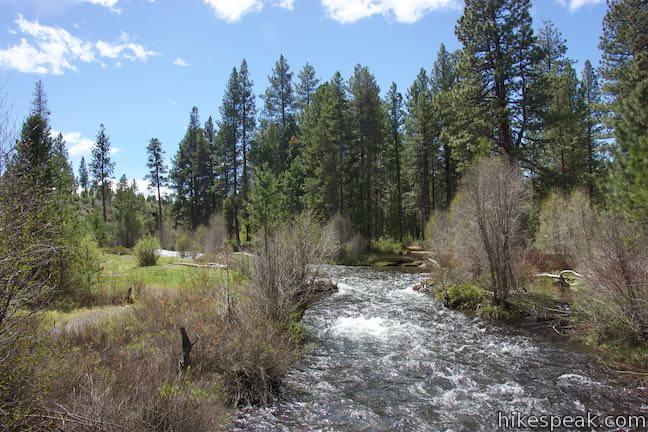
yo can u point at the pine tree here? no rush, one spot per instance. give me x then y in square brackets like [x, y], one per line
[263, 207]
[625, 47]
[320, 163]
[563, 133]
[279, 109]
[628, 182]
[201, 174]
[365, 150]
[394, 151]
[215, 164]
[305, 87]
[247, 120]
[422, 151]
[128, 213]
[33, 150]
[553, 48]
[279, 97]
[39, 101]
[592, 122]
[625, 70]
[62, 173]
[500, 51]
[84, 179]
[229, 133]
[443, 80]
[102, 168]
[190, 177]
[157, 176]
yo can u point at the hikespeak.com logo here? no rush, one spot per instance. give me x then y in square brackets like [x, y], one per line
[587, 421]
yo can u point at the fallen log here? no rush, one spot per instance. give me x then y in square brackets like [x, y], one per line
[208, 265]
[560, 276]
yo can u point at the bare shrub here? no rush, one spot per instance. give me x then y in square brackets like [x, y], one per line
[123, 374]
[450, 267]
[354, 248]
[617, 272]
[216, 234]
[565, 227]
[7, 127]
[281, 269]
[439, 232]
[254, 357]
[337, 232]
[489, 214]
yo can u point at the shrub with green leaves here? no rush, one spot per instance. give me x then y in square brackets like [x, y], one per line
[147, 251]
[462, 296]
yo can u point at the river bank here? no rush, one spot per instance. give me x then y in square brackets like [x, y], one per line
[547, 305]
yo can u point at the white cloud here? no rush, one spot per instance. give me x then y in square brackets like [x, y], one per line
[52, 49]
[123, 48]
[109, 4]
[143, 187]
[180, 62]
[77, 145]
[404, 11]
[44, 49]
[286, 4]
[233, 10]
[574, 5]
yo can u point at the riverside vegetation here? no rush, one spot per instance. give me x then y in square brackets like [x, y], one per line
[508, 167]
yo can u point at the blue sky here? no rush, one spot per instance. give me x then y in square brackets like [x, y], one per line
[138, 66]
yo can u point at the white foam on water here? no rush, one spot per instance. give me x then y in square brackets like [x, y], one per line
[509, 388]
[575, 379]
[325, 386]
[448, 399]
[509, 348]
[346, 326]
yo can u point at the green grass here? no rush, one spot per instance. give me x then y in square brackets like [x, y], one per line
[124, 271]
[121, 272]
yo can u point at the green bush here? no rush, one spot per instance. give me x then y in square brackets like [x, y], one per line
[387, 245]
[146, 251]
[462, 296]
[186, 246]
[493, 312]
[87, 263]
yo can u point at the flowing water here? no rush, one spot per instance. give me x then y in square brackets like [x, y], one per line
[387, 358]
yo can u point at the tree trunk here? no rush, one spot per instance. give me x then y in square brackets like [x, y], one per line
[103, 200]
[185, 359]
[447, 167]
[160, 220]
